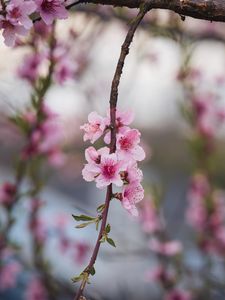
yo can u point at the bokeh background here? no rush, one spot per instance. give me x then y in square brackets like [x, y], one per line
[150, 87]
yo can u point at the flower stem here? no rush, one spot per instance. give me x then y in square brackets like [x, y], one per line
[113, 104]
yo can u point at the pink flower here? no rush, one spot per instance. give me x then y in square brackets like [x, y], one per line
[64, 70]
[132, 173]
[18, 12]
[51, 9]
[170, 248]
[8, 275]
[93, 157]
[95, 128]
[132, 194]
[10, 31]
[127, 145]
[35, 290]
[123, 119]
[177, 295]
[109, 171]
[7, 193]
[30, 68]
[149, 217]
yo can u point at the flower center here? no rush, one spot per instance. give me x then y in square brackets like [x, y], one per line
[109, 171]
[125, 143]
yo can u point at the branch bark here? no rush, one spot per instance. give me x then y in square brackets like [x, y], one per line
[212, 10]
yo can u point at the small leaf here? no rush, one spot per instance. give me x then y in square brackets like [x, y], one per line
[111, 242]
[83, 218]
[82, 225]
[97, 224]
[108, 228]
[92, 271]
[102, 240]
[100, 208]
[77, 278]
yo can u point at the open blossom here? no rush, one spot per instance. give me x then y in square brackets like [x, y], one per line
[51, 9]
[8, 275]
[93, 157]
[165, 248]
[123, 119]
[7, 193]
[35, 290]
[127, 145]
[95, 127]
[105, 171]
[109, 168]
[132, 194]
[11, 31]
[18, 12]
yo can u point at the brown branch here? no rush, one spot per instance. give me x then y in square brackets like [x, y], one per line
[212, 10]
[113, 103]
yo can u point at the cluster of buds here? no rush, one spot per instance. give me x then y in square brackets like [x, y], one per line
[44, 135]
[119, 168]
[165, 273]
[206, 213]
[45, 52]
[15, 18]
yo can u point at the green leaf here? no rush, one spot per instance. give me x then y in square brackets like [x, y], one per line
[92, 271]
[77, 278]
[108, 228]
[82, 225]
[111, 242]
[100, 208]
[83, 218]
[102, 240]
[97, 224]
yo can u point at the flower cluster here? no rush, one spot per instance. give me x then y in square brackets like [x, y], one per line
[119, 168]
[16, 16]
[208, 114]
[45, 136]
[45, 53]
[206, 213]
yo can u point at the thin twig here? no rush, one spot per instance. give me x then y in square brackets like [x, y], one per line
[113, 103]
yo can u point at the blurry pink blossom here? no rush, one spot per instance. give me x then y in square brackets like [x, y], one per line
[7, 193]
[51, 9]
[18, 12]
[177, 294]
[149, 217]
[8, 275]
[35, 290]
[169, 248]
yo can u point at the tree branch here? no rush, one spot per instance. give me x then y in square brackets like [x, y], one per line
[113, 103]
[212, 10]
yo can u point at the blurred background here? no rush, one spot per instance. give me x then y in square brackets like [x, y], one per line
[163, 47]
